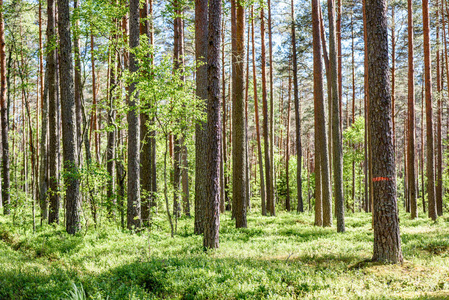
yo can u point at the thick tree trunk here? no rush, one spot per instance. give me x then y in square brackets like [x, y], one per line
[429, 116]
[72, 198]
[239, 166]
[213, 149]
[134, 206]
[387, 241]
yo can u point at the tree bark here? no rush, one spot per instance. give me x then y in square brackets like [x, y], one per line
[68, 116]
[213, 149]
[268, 169]
[321, 160]
[52, 118]
[256, 109]
[337, 155]
[387, 241]
[239, 166]
[429, 116]
[6, 199]
[411, 114]
[201, 14]
[134, 205]
[300, 206]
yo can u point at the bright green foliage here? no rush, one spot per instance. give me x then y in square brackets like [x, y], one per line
[278, 258]
[353, 151]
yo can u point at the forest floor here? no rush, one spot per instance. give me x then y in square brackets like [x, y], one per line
[282, 257]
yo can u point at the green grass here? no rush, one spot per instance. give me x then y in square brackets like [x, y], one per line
[283, 257]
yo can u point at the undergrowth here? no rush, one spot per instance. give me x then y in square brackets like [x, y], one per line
[283, 257]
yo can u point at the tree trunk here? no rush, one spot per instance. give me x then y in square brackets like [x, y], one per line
[387, 241]
[300, 207]
[213, 149]
[134, 206]
[201, 13]
[429, 116]
[68, 116]
[52, 119]
[287, 146]
[145, 141]
[268, 169]
[439, 149]
[337, 155]
[239, 166]
[271, 132]
[6, 199]
[256, 109]
[321, 161]
[411, 115]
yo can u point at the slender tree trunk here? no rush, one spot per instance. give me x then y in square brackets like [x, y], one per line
[323, 188]
[422, 149]
[6, 199]
[201, 14]
[393, 73]
[52, 119]
[439, 149]
[411, 114]
[353, 99]
[256, 109]
[337, 154]
[72, 198]
[300, 207]
[287, 146]
[429, 115]
[339, 59]
[78, 79]
[387, 241]
[213, 149]
[145, 140]
[268, 169]
[134, 206]
[238, 120]
[271, 132]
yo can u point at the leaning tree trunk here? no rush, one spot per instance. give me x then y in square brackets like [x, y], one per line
[68, 116]
[387, 241]
[213, 149]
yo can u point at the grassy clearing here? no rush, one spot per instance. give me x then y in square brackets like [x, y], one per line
[283, 257]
